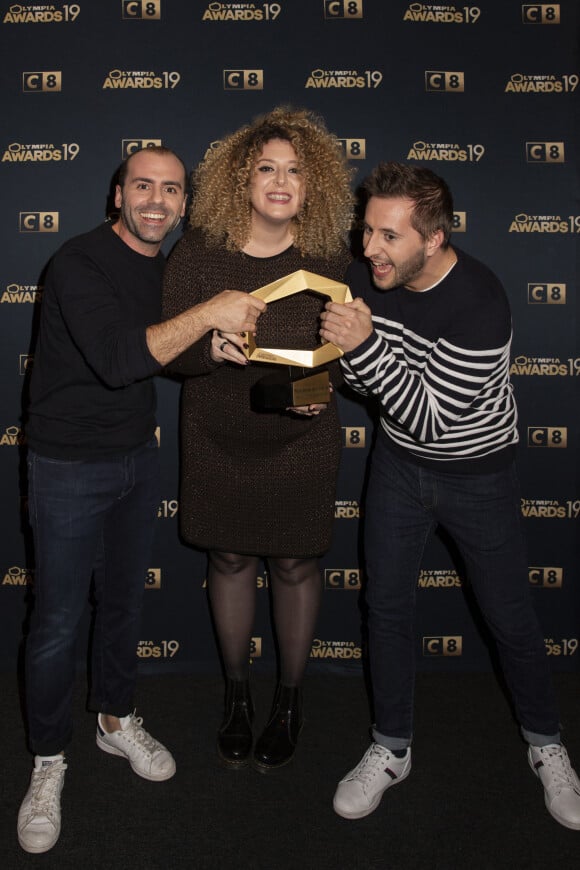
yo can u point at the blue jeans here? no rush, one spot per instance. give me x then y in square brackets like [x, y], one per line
[481, 512]
[89, 519]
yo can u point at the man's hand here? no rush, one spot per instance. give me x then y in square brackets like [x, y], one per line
[346, 325]
[230, 311]
[233, 311]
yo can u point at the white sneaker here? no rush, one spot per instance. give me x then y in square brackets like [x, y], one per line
[148, 758]
[561, 785]
[361, 790]
[39, 814]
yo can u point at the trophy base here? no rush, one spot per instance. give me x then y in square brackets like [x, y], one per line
[279, 391]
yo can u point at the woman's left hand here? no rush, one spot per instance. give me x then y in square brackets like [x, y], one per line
[312, 410]
[308, 410]
[227, 347]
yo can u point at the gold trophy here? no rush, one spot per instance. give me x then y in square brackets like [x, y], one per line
[294, 387]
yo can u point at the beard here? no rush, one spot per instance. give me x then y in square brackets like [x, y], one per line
[149, 234]
[409, 269]
[403, 273]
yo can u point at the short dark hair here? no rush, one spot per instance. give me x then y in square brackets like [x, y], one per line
[432, 200]
[161, 150]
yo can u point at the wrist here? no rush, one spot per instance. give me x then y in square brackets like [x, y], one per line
[202, 314]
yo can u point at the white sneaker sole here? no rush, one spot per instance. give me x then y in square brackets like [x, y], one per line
[572, 826]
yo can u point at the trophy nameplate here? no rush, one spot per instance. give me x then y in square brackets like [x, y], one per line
[288, 390]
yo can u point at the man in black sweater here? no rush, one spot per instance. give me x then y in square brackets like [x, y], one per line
[431, 341]
[93, 471]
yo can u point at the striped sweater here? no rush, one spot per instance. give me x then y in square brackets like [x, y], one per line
[438, 363]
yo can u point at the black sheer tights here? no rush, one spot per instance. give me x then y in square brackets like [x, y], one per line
[296, 590]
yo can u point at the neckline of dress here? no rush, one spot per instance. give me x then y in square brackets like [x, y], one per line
[270, 257]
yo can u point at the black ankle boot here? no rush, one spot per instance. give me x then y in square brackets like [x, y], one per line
[235, 737]
[275, 747]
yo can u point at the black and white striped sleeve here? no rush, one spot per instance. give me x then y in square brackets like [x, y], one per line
[426, 388]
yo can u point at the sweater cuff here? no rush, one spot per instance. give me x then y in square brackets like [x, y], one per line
[361, 348]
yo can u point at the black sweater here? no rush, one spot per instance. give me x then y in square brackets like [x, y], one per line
[91, 393]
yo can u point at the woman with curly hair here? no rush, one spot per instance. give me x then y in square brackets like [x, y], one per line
[272, 198]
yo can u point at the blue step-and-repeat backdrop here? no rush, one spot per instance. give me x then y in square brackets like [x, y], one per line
[485, 94]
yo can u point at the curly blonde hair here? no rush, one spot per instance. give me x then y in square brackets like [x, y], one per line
[221, 203]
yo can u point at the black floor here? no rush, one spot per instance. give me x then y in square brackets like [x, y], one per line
[471, 801]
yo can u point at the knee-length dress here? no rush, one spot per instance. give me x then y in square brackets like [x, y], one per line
[251, 482]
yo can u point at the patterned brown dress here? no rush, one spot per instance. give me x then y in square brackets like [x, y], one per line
[251, 482]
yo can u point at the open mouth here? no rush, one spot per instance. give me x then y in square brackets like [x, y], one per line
[381, 270]
[154, 216]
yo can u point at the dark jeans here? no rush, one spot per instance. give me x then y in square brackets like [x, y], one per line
[89, 519]
[482, 514]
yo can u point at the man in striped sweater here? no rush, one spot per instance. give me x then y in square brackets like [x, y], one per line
[431, 342]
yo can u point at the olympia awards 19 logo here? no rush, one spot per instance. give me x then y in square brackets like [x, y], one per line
[19, 152]
[12, 436]
[21, 294]
[545, 83]
[344, 79]
[446, 152]
[346, 510]
[545, 223]
[439, 579]
[144, 80]
[335, 649]
[241, 12]
[550, 508]
[441, 13]
[542, 366]
[162, 649]
[18, 577]
[41, 13]
[566, 646]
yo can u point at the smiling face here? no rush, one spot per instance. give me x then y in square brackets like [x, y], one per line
[277, 188]
[397, 253]
[151, 201]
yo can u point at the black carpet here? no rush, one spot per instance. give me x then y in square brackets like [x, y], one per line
[470, 802]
